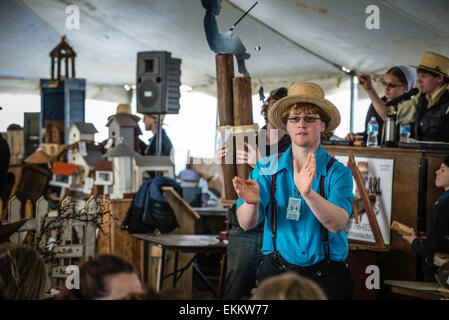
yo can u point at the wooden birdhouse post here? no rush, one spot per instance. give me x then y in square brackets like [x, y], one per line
[60, 52]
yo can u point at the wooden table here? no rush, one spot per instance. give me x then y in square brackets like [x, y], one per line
[182, 243]
[422, 290]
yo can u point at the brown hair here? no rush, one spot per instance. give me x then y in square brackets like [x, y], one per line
[399, 74]
[92, 277]
[434, 74]
[288, 286]
[23, 275]
[307, 108]
[275, 94]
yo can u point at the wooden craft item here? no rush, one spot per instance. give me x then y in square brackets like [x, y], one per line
[401, 228]
[225, 73]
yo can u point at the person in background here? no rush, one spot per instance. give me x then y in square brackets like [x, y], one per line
[105, 277]
[150, 121]
[437, 235]
[23, 275]
[428, 110]
[288, 286]
[303, 195]
[398, 84]
[243, 251]
[5, 156]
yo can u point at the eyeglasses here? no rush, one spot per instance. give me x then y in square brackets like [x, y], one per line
[307, 119]
[390, 85]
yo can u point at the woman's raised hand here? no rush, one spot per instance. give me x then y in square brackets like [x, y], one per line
[365, 81]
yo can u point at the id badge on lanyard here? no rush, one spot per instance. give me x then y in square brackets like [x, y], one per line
[293, 209]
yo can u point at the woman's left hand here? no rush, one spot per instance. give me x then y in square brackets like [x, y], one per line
[304, 176]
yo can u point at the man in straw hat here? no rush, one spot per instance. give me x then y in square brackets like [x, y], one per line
[150, 121]
[304, 195]
[428, 110]
[123, 114]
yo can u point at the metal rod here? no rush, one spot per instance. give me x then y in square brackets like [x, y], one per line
[353, 98]
[233, 26]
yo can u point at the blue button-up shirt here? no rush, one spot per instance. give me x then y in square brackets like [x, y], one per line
[301, 242]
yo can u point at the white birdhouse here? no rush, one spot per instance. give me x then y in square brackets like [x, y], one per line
[143, 164]
[81, 131]
[62, 174]
[104, 175]
[121, 157]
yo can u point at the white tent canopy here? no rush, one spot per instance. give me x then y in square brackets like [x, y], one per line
[113, 31]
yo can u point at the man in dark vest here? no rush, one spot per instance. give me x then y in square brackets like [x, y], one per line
[428, 110]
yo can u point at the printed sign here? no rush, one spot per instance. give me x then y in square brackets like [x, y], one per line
[377, 175]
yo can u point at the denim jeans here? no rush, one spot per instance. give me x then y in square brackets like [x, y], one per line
[243, 255]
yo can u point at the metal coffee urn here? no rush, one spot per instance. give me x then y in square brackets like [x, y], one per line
[390, 131]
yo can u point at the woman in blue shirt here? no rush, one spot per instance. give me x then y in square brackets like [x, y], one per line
[312, 196]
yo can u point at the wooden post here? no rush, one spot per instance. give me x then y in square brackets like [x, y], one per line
[59, 70]
[41, 211]
[90, 239]
[14, 215]
[52, 68]
[225, 73]
[243, 115]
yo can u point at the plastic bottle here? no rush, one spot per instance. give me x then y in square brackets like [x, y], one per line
[373, 132]
[404, 132]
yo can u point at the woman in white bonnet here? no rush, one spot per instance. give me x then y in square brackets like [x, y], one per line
[398, 84]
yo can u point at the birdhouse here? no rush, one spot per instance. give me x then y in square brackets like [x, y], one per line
[58, 54]
[40, 157]
[81, 131]
[15, 140]
[52, 149]
[85, 156]
[125, 126]
[143, 164]
[62, 174]
[121, 157]
[54, 132]
[104, 175]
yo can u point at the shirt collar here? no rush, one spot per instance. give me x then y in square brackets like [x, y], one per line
[444, 195]
[436, 97]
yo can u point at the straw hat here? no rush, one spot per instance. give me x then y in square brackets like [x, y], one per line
[124, 108]
[434, 62]
[304, 92]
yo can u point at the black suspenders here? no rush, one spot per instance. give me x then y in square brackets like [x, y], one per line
[273, 211]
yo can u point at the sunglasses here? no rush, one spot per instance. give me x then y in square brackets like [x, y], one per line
[307, 119]
[390, 85]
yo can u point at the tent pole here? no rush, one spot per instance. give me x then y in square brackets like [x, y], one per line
[351, 109]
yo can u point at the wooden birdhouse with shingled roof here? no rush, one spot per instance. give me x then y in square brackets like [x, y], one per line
[58, 54]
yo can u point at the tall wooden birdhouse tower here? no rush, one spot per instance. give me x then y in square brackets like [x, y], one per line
[62, 97]
[58, 54]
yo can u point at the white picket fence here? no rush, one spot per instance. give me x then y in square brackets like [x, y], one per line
[64, 237]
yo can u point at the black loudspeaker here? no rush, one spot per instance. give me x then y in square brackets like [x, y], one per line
[158, 81]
